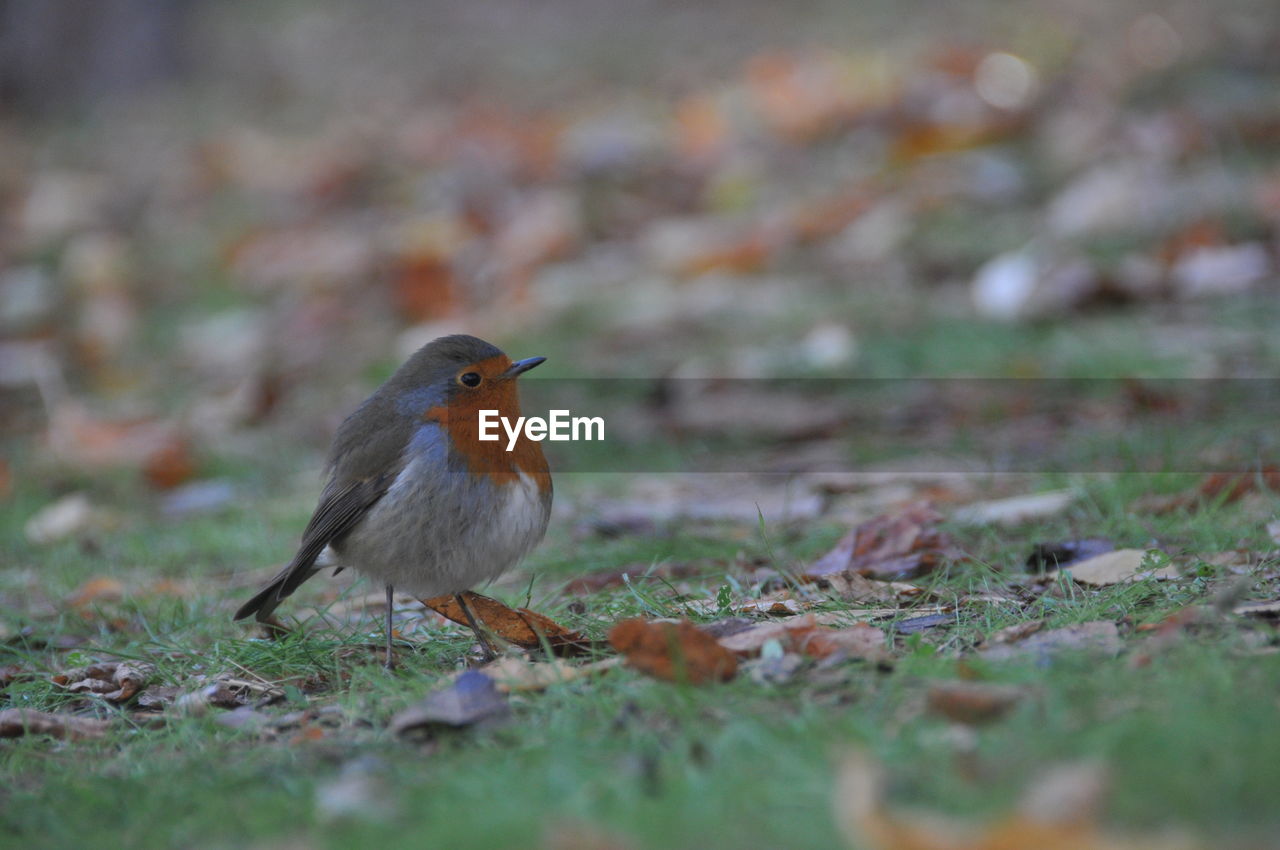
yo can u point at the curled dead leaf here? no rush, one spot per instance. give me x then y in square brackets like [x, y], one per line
[472, 698]
[525, 628]
[114, 681]
[675, 652]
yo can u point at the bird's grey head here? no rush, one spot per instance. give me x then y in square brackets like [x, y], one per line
[453, 367]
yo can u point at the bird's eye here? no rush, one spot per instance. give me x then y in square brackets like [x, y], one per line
[469, 379]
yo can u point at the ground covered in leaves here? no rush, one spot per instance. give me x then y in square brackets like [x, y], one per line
[733, 684]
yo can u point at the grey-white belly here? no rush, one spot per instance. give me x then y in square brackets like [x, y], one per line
[443, 533]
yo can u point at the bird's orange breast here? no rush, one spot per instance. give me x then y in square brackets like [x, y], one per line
[460, 419]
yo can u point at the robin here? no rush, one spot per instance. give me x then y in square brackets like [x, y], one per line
[414, 499]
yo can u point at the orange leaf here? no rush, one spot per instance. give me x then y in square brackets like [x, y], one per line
[100, 589]
[972, 702]
[520, 626]
[675, 652]
[170, 464]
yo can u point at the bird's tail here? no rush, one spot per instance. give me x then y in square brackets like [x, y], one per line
[265, 601]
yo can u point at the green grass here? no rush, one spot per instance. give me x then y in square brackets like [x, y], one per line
[1188, 735]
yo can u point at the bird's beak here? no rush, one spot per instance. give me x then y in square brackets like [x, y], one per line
[521, 366]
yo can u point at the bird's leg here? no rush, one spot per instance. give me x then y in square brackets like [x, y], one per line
[390, 663]
[489, 653]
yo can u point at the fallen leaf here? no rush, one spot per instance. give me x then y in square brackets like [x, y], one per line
[891, 546]
[67, 517]
[853, 587]
[1053, 556]
[1118, 567]
[220, 694]
[15, 722]
[525, 628]
[114, 681]
[804, 635]
[1099, 636]
[99, 589]
[471, 698]
[673, 651]
[171, 463]
[860, 640]
[1015, 510]
[1012, 634]
[513, 675]
[973, 703]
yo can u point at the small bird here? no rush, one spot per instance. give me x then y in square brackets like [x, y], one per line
[413, 498]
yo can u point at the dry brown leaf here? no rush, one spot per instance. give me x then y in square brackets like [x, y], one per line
[1059, 812]
[114, 681]
[1118, 567]
[972, 702]
[853, 587]
[750, 641]
[860, 640]
[1012, 634]
[524, 628]
[71, 516]
[99, 589]
[170, 463]
[15, 722]
[891, 546]
[673, 651]
[515, 674]
[804, 635]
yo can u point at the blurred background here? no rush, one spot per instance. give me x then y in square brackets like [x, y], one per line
[223, 223]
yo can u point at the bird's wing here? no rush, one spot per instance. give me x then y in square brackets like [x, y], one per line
[342, 505]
